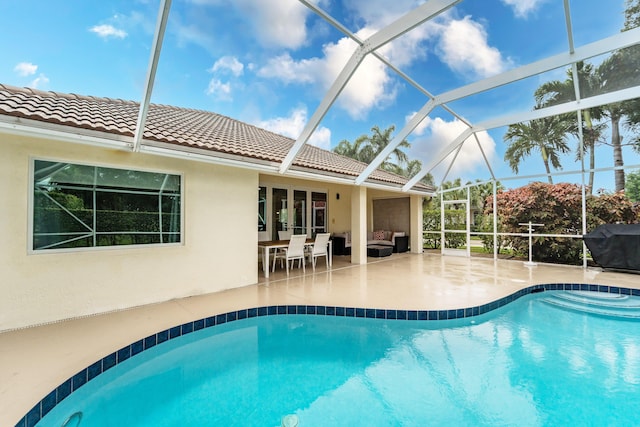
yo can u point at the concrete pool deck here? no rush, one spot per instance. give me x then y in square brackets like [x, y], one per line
[36, 360]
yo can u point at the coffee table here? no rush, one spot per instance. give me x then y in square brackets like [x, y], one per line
[379, 250]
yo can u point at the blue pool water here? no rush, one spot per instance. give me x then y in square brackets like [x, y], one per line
[539, 361]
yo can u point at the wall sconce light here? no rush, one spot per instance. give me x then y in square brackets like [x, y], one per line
[337, 196]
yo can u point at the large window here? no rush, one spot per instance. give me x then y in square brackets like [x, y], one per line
[79, 206]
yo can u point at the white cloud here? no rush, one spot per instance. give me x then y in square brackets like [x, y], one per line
[277, 23]
[462, 44]
[39, 82]
[286, 69]
[191, 33]
[219, 90]
[106, 31]
[230, 63]
[422, 126]
[293, 126]
[464, 48]
[522, 8]
[380, 13]
[370, 86]
[438, 133]
[25, 69]
[137, 21]
[321, 138]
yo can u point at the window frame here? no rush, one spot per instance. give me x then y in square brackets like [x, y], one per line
[31, 206]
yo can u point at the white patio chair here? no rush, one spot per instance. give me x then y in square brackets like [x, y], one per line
[320, 248]
[284, 234]
[293, 252]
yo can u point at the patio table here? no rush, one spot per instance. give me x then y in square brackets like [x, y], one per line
[267, 245]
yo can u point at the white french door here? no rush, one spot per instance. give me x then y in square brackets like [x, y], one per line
[294, 209]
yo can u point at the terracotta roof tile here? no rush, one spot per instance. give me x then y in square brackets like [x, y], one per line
[177, 126]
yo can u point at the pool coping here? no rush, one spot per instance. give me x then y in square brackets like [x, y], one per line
[58, 394]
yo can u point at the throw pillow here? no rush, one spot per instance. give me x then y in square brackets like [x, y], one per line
[378, 235]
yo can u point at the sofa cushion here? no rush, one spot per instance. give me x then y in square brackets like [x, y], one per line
[396, 234]
[380, 242]
[378, 235]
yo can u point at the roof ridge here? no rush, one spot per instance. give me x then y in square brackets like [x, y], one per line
[63, 95]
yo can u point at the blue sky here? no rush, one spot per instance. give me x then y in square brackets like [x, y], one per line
[269, 62]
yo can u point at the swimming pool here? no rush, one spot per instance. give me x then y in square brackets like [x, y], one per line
[536, 361]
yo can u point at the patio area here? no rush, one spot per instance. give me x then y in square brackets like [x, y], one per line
[34, 361]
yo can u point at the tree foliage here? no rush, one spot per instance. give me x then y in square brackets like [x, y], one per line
[547, 136]
[454, 218]
[632, 189]
[559, 208]
[558, 92]
[367, 147]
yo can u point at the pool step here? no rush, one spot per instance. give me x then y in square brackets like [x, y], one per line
[600, 303]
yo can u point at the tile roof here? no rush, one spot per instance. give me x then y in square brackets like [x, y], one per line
[207, 132]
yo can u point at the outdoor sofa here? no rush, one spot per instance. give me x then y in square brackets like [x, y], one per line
[398, 240]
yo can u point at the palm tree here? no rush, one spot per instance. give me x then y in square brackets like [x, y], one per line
[347, 149]
[629, 71]
[546, 135]
[613, 74]
[413, 167]
[480, 193]
[557, 92]
[374, 144]
[619, 71]
[365, 148]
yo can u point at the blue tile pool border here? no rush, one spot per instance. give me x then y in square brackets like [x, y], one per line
[76, 381]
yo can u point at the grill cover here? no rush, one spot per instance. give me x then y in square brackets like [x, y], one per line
[615, 246]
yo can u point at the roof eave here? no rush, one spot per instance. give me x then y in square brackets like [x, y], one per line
[60, 132]
[262, 166]
[39, 129]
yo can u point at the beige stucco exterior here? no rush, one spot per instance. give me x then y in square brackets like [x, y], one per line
[218, 250]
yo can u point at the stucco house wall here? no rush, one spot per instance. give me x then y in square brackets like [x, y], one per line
[218, 249]
[392, 214]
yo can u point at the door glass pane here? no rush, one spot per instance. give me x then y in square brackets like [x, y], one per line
[318, 213]
[300, 212]
[262, 209]
[279, 212]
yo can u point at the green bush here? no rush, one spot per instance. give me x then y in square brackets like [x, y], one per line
[559, 208]
[484, 223]
[455, 220]
[56, 220]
